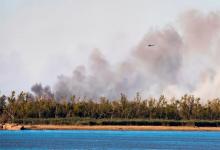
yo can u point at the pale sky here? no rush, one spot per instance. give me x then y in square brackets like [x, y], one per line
[41, 39]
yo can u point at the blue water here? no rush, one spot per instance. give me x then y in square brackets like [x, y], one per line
[77, 139]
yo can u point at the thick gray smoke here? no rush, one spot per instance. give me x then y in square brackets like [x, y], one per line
[184, 59]
[41, 91]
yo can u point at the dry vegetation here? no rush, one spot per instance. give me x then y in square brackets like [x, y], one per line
[186, 111]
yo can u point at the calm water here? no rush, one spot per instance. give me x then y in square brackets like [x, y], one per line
[76, 139]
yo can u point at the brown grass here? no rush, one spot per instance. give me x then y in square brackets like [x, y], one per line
[141, 128]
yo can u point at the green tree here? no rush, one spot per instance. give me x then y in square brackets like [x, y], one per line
[2, 104]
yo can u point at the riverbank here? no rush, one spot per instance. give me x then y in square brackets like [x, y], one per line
[12, 126]
[132, 128]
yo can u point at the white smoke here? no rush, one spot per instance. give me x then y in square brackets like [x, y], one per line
[184, 59]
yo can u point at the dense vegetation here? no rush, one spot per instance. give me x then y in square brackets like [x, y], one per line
[29, 109]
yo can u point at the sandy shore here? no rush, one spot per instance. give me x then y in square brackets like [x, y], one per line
[141, 128]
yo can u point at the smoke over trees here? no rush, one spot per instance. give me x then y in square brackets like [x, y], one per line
[183, 60]
[41, 91]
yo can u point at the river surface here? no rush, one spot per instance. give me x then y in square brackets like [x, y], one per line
[115, 140]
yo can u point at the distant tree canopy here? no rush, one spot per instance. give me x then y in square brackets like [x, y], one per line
[25, 105]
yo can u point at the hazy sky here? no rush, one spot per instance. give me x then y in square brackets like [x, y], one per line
[41, 39]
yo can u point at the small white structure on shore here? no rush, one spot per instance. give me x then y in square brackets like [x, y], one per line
[8, 126]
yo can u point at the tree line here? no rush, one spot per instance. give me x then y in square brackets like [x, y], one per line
[188, 107]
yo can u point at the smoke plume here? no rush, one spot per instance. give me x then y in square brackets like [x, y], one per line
[183, 59]
[41, 91]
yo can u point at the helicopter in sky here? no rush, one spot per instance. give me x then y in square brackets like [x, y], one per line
[150, 45]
